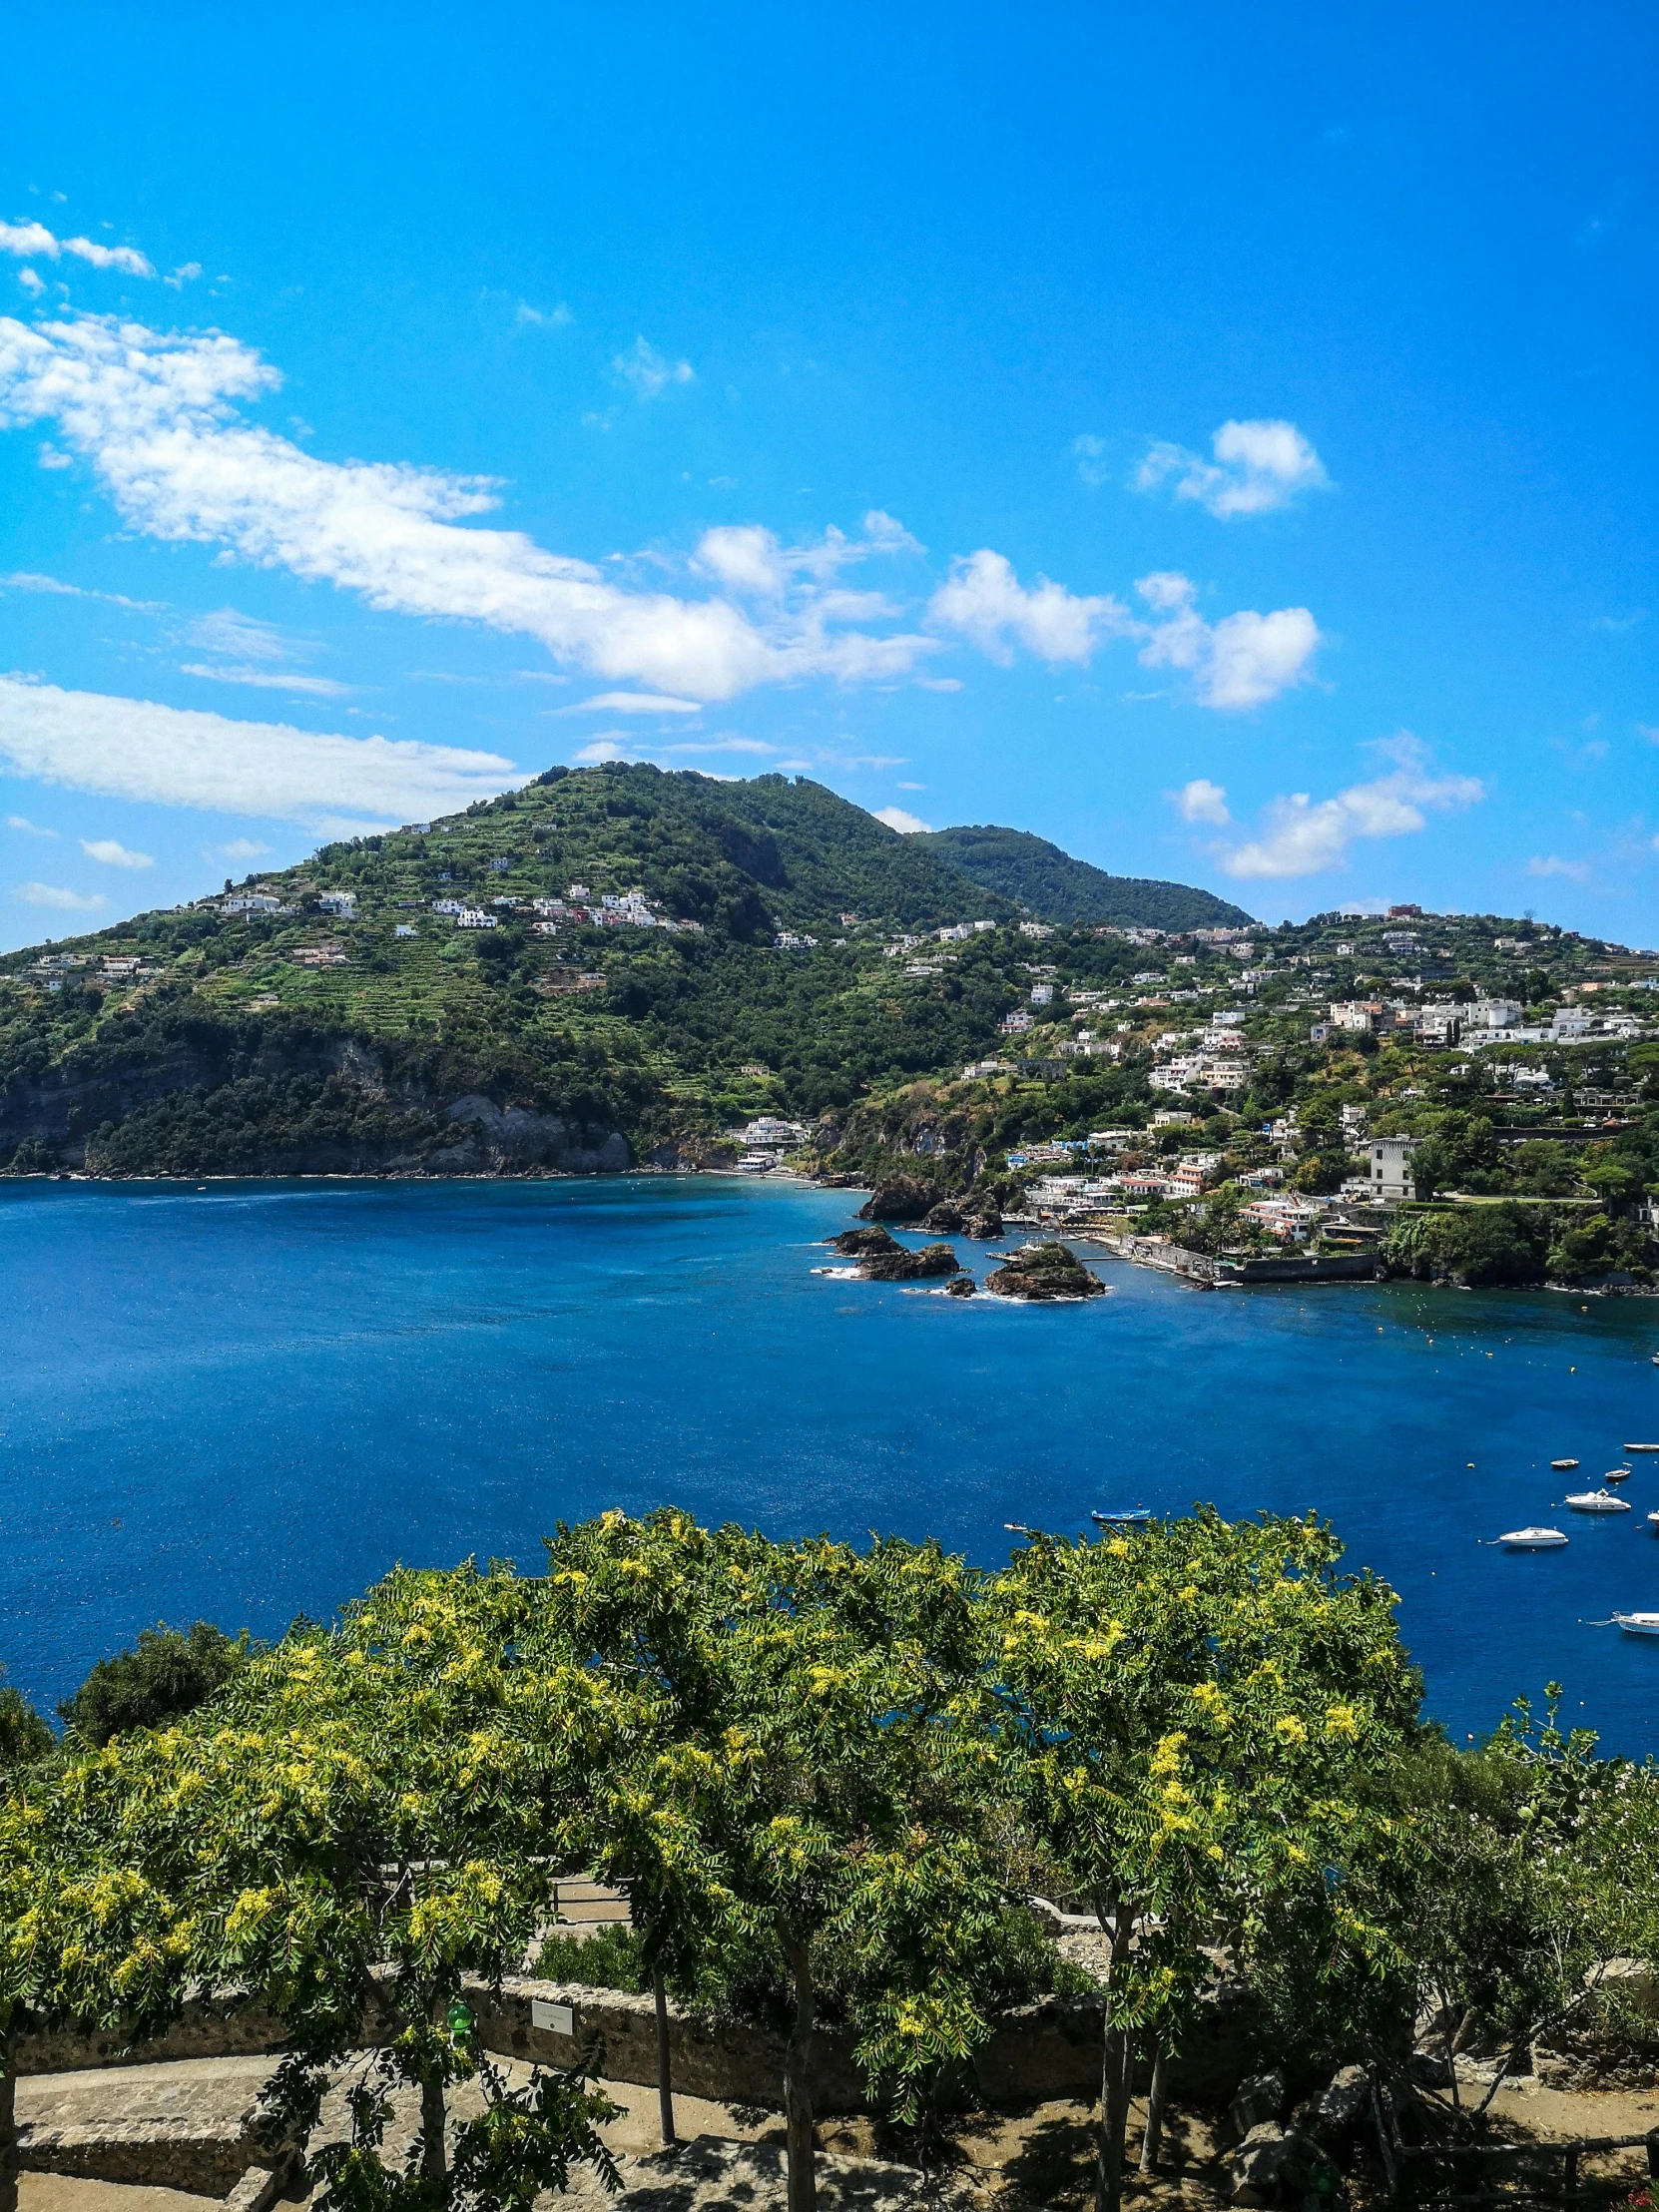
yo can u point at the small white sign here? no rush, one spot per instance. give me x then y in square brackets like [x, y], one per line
[560, 2018]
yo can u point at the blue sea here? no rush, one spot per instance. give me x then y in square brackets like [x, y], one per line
[246, 1402]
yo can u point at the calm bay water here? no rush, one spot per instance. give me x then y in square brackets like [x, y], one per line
[248, 1401]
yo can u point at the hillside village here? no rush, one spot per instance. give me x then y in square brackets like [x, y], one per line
[672, 971]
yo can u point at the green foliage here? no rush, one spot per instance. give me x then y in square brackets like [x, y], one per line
[1051, 886]
[1476, 1244]
[168, 1673]
[26, 1737]
[613, 1960]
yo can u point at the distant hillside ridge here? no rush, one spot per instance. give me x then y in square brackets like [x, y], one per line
[1051, 886]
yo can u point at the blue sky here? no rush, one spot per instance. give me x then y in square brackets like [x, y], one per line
[1222, 443]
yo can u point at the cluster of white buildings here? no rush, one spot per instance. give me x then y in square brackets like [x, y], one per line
[611, 911]
[1472, 1023]
[766, 1142]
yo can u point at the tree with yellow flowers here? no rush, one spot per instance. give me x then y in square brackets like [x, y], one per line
[1193, 1719]
[364, 1816]
[817, 1781]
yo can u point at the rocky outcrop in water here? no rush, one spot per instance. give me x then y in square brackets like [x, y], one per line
[1044, 1271]
[852, 1244]
[883, 1259]
[901, 1198]
[960, 1285]
[973, 1216]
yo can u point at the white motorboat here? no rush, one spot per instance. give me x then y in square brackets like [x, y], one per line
[1533, 1539]
[1616, 1474]
[1562, 1465]
[1638, 1624]
[1640, 1447]
[1597, 1501]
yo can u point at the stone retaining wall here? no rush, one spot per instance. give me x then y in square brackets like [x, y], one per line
[1043, 2050]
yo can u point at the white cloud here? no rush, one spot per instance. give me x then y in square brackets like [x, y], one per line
[135, 749]
[60, 897]
[1202, 801]
[986, 602]
[648, 374]
[157, 418]
[1242, 661]
[895, 818]
[29, 241]
[33, 284]
[751, 561]
[23, 239]
[28, 827]
[1303, 837]
[228, 630]
[545, 318]
[241, 848]
[108, 853]
[1090, 455]
[1578, 872]
[185, 274]
[23, 579]
[269, 679]
[630, 703]
[1258, 466]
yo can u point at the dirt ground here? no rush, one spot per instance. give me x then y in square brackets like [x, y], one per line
[1039, 2157]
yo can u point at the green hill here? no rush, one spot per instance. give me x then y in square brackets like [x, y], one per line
[1050, 886]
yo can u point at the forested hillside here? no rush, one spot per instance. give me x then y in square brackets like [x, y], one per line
[620, 967]
[1050, 886]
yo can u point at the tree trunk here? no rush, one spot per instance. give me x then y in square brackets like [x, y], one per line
[434, 2150]
[798, 2080]
[1116, 2061]
[1152, 2143]
[665, 2079]
[8, 2131]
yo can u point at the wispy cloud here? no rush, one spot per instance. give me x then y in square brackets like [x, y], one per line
[908, 826]
[135, 749]
[27, 827]
[545, 318]
[34, 242]
[630, 703]
[1302, 836]
[1258, 466]
[23, 579]
[648, 374]
[108, 853]
[269, 679]
[1578, 872]
[1089, 452]
[239, 849]
[59, 895]
[157, 417]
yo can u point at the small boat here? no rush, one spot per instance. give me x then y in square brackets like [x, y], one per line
[1655, 1358]
[1017, 1528]
[1616, 1474]
[1653, 1522]
[1561, 1466]
[1597, 1501]
[1639, 1448]
[1533, 1539]
[1638, 1624]
[1136, 1517]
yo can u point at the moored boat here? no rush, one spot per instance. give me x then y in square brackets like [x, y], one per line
[1639, 1448]
[1597, 1501]
[1616, 1474]
[1638, 1624]
[1533, 1539]
[1134, 1516]
[1561, 1466]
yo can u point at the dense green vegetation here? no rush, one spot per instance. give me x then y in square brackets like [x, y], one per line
[831, 1777]
[1050, 886]
[846, 976]
[166, 1673]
